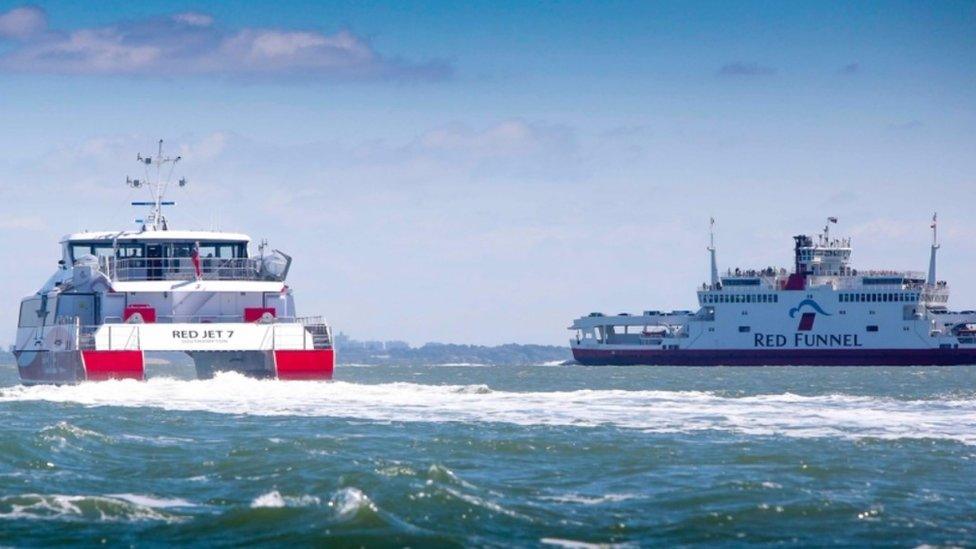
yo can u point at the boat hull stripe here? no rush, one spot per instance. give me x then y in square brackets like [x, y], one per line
[777, 357]
[105, 365]
[315, 364]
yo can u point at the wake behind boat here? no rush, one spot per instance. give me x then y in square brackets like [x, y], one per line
[823, 312]
[117, 295]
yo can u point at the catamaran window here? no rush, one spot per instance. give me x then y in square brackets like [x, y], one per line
[106, 249]
[128, 251]
[33, 315]
[207, 249]
[29, 316]
[100, 249]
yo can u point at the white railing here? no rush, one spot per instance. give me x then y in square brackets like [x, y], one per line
[182, 268]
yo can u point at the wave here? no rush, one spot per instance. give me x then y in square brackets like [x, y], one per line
[785, 414]
[112, 508]
[274, 499]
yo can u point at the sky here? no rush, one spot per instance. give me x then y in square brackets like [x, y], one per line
[484, 172]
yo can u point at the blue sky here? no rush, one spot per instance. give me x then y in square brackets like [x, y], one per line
[484, 172]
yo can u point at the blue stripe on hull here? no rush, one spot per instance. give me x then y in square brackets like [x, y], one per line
[777, 357]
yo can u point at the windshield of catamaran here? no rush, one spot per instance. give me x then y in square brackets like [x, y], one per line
[157, 249]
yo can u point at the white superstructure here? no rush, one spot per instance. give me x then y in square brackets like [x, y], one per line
[822, 312]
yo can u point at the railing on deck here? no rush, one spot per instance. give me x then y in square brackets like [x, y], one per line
[182, 268]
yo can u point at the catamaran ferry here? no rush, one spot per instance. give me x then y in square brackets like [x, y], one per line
[117, 295]
[823, 312]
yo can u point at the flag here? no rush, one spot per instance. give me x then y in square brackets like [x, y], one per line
[195, 259]
[832, 219]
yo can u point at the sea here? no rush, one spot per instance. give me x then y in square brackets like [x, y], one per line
[495, 456]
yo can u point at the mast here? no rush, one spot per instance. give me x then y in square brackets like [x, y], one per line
[157, 186]
[711, 252]
[935, 246]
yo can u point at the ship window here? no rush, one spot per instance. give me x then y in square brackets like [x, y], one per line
[744, 329]
[872, 328]
[126, 251]
[82, 249]
[30, 313]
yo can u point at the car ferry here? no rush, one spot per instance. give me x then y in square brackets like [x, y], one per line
[822, 312]
[117, 295]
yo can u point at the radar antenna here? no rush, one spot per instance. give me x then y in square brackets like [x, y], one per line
[935, 246]
[156, 184]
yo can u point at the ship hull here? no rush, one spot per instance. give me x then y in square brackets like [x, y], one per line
[776, 357]
[300, 365]
[68, 367]
[62, 367]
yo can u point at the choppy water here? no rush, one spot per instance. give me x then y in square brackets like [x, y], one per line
[490, 455]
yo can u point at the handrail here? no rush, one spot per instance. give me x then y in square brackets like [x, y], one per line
[183, 268]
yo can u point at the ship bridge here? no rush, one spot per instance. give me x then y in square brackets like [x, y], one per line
[825, 257]
[130, 256]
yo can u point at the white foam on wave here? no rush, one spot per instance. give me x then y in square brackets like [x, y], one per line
[836, 415]
[348, 502]
[111, 508]
[274, 499]
[153, 501]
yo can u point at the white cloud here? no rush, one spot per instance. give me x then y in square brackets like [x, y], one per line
[21, 23]
[195, 19]
[190, 43]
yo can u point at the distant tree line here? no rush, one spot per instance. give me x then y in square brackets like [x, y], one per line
[401, 353]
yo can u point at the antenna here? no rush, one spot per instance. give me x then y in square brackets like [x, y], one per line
[711, 252]
[157, 185]
[935, 246]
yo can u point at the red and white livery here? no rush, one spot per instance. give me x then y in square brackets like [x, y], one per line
[823, 312]
[117, 295]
